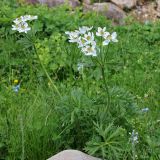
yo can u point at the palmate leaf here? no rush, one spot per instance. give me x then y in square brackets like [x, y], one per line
[109, 142]
[123, 101]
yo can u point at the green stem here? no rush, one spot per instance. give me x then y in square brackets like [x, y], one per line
[105, 55]
[22, 136]
[133, 152]
[105, 84]
[102, 65]
[44, 69]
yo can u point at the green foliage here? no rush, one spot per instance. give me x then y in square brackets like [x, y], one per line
[36, 123]
[108, 142]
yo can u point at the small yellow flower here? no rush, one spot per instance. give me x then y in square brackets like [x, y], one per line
[16, 81]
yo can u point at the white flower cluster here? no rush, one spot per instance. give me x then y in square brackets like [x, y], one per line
[86, 39]
[21, 25]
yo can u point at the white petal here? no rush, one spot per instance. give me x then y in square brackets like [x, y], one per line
[99, 29]
[14, 29]
[89, 28]
[98, 34]
[67, 32]
[104, 29]
[114, 40]
[114, 35]
[35, 17]
[94, 54]
[93, 43]
[106, 42]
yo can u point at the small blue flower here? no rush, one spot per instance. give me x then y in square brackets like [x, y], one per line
[16, 88]
[145, 109]
[80, 66]
[134, 137]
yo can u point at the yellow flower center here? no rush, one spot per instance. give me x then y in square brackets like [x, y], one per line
[88, 38]
[23, 26]
[101, 32]
[83, 41]
[89, 49]
[109, 37]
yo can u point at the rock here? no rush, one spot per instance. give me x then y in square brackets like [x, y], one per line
[125, 3]
[72, 155]
[52, 3]
[158, 8]
[158, 2]
[109, 10]
[86, 1]
[32, 1]
[145, 13]
[73, 3]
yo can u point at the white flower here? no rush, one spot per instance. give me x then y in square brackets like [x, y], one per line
[84, 29]
[89, 37]
[101, 31]
[21, 27]
[18, 20]
[15, 27]
[110, 38]
[30, 17]
[89, 51]
[73, 36]
[25, 18]
[81, 42]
